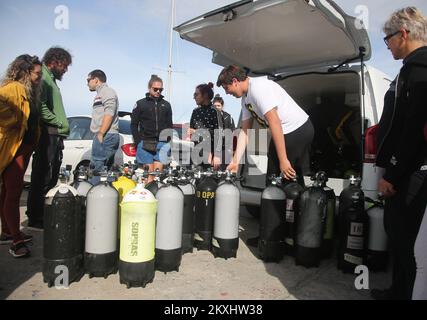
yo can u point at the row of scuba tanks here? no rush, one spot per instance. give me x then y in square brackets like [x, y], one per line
[113, 222]
[304, 223]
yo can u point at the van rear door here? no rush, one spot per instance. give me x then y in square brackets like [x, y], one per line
[278, 36]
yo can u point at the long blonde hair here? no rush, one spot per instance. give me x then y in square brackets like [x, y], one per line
[20, 70]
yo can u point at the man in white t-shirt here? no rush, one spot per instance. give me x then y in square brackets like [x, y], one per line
[271, 106]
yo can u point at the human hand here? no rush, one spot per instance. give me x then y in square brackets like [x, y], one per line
[215, 162]
[386, 188]
[100, 137]
[190, 131]
[233, 167]
[287, 170]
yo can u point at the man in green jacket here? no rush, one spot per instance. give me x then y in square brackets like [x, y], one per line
[47, 157]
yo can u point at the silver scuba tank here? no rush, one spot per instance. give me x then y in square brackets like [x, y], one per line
[377, 255]
[170, 211]
[225, 239]
[101, 254]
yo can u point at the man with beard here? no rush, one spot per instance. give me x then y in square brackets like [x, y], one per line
[47, 157]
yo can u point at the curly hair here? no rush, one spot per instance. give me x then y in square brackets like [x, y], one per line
[20, 70]
[57, 54]
[410, 19]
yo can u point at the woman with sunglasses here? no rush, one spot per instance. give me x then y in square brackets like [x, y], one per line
[204, 124]
[19, 134]
[150, 119]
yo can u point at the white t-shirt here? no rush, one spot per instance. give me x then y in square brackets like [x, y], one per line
[264, 95]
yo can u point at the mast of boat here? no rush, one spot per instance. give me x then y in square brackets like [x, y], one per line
[169, 88]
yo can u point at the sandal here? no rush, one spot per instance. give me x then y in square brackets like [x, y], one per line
[19, 250]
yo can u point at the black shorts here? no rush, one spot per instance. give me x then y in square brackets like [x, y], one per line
[298, 144]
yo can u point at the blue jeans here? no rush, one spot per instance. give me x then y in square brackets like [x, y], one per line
[103, 153]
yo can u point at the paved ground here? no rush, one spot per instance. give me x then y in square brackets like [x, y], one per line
[201, 277]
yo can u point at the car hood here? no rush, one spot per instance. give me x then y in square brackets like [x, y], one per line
[276, 36]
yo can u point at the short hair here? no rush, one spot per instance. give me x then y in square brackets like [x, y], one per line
[219, 99]
[206, 89]
[154, 78]
[229, 73]
[409, 18]
[98, 74]
[57, 54]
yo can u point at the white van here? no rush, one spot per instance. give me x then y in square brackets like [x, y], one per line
[317, 53]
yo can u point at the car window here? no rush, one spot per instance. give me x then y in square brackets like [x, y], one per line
[80, 128]
[124, 127]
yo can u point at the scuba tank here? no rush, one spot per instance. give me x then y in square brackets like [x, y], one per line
[101, 255]
[328, 235]
[293, 192]
[272, 222]
[170, 210]
[137, 234]
[189, 216]
[63, 229]
[82, 186]
[204, 208]
[353, 227]
[154, 185]
[225, 240]
[377, 255]
[123, 185]
[311, 219]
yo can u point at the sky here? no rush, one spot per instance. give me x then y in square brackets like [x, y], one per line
[129, 41]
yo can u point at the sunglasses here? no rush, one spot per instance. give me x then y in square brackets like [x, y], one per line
[389, 36]
[157, 90]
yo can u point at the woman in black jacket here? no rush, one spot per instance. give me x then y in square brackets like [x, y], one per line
[150, 119]
[204, 127]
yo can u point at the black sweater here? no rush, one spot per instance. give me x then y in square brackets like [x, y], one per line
[207, 117]
[149, 117]
[402, 148]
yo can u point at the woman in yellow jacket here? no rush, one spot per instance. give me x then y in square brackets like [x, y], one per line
[19, 131]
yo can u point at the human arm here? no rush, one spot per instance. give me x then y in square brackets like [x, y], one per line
[242, 142]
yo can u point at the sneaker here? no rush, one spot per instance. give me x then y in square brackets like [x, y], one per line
[253, 242]
[7, 239]
[36, 226]
[19, 250]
